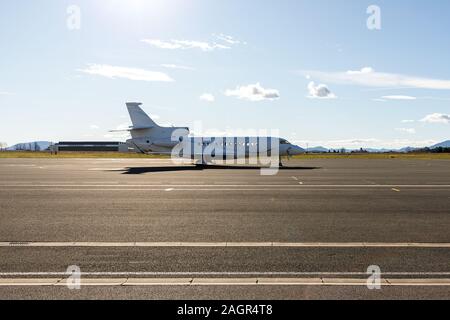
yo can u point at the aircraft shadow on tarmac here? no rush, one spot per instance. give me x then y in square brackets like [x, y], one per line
[142, 170]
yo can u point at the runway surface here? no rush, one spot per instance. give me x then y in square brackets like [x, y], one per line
[146, 228]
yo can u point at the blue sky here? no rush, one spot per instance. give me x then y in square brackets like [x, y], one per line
[311, 69]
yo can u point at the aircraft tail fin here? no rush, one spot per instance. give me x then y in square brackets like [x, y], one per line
[138, 117]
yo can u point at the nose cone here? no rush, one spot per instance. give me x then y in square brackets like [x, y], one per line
[296, 150]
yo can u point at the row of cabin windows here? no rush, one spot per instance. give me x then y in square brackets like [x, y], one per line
[232, 143]
[226, 144]
[239, 143]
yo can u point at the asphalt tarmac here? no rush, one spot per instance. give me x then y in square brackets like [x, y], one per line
[150, 229]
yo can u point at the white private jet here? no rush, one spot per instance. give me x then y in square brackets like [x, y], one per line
[150, 138]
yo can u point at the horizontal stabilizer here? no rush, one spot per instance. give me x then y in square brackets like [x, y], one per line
[131, 129]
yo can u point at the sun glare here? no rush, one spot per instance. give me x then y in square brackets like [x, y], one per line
[125, 14]
[136, 6]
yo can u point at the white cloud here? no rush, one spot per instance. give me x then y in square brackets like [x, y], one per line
[253, 92]
[94, 127]
[163, 44]
[406, 130]
[5, 93]
[185, 44]
[174, 66]
[222, 41]
[365, 70]
[437, 118]
[408, 121]
[228, 39]
[399, 98]
[320, 91]
[126, 73]
[208, 97]
[368, 77]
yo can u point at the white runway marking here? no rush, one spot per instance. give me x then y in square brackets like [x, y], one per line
[216, 274]
[230, 244]
[208, 187]
[296, 188]
[105, 169]
[133, 160]
[19, 165]
[223, 282]
[378, 186]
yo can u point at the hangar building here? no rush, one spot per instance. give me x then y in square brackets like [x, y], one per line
[91, 146]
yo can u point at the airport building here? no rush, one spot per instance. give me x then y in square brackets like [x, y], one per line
[90, 146]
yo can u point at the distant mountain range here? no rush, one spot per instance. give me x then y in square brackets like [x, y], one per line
[320, 149]
[445, 144]
[31, 146]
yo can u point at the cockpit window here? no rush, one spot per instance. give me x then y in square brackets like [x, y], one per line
[282, 141]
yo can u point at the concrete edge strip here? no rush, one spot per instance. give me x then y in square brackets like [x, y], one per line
[180, 274]
[230, 244]
[14, 282]
[297, 186]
